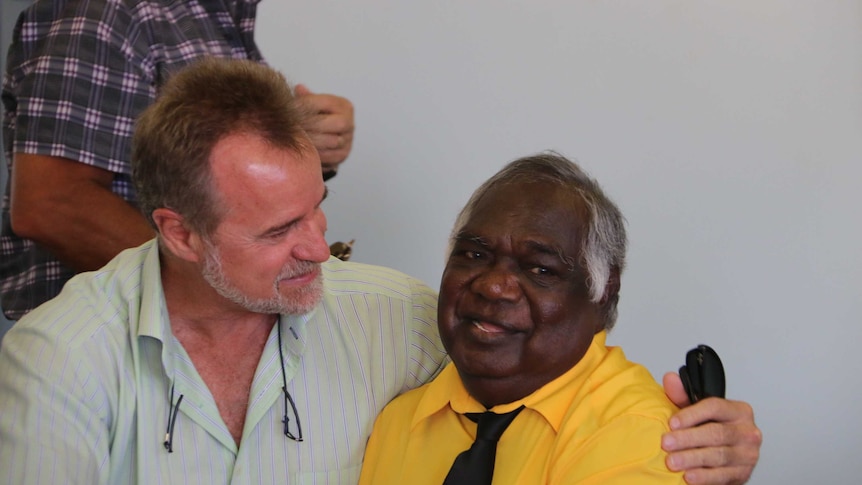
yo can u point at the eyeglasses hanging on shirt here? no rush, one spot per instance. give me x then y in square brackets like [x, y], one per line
[287, 398]
[289, 405]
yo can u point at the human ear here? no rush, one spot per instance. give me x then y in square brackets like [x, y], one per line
[612, 288]
[176, 237]
[608, 302]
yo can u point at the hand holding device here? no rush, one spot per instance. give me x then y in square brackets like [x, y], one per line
[703, 374]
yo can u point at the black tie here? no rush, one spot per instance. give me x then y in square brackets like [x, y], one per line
[476, 465]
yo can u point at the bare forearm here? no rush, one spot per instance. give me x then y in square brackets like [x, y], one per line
[71, 211]
[87, 239]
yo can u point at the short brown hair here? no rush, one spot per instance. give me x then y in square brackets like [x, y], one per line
[197, 107]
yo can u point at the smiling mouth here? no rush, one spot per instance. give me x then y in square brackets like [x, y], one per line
[490, 328]
[301, 279]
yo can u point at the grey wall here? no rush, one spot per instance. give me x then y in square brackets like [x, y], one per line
[728, 131]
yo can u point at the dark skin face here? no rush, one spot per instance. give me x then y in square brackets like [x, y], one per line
[514, 309]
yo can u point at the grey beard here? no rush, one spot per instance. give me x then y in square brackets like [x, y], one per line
[305, 299]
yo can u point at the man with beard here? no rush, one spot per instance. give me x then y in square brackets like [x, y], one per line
[78, 74]
[231, 348]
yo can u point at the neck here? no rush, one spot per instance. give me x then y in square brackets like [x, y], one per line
[221, 329]
[196, 308]
[492, 392]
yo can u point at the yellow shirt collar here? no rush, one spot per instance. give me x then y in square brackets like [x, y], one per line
[448, 390]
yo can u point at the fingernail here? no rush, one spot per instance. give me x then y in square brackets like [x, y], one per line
[672, 463]
[674, 422]
[668, 442]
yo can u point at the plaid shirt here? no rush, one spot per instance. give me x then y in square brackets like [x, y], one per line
[78, 73]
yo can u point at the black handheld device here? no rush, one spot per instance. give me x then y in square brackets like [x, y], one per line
[703, 374]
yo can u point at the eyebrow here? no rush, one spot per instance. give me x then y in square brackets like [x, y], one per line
[470, 238]
[553, 251]
[545, 249]
[465, 236]
[535, 246]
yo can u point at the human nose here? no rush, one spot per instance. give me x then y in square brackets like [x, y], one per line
[497, 282]
[313, 246]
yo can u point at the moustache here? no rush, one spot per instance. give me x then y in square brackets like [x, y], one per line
[298, 269]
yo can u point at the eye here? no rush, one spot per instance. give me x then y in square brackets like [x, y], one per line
[277, 234]
[470, 257]
[470, 250]
[541, 271]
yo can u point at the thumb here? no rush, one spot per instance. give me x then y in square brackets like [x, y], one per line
[674, 390]
[301, 90]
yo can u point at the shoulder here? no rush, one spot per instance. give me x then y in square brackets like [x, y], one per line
[397, 417]
[621, 388]
[349, 278]
[386, 302]
[40, 12]
[92, 306]
[613, 433]
[44, 28]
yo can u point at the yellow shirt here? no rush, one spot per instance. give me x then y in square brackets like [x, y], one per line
[599, 423]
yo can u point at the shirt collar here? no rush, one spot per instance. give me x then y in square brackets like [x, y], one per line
[152, 319]
[550, 400]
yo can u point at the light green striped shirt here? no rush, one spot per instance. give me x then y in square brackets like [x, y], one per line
[85, 382]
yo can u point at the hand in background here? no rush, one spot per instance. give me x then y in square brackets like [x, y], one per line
[715, 441]
[330, 127]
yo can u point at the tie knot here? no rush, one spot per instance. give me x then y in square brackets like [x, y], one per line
[492, 425]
